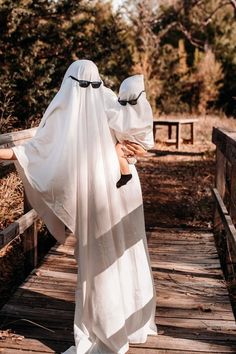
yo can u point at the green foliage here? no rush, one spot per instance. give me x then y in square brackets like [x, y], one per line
[189, 49]
[185, 49]
[40, 38]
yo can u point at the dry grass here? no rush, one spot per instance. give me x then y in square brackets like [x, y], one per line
[11, 198]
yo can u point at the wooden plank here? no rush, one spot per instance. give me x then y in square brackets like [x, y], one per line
[35, 345]
[62, 294]
[16, 136]
[174, 258]
[19, 351]
[175, 120]
[57, 275]
[18, 227]
[30, 239]
[226, 219]
[62, 258]
[197, 312]
[158, 234]
[45, 315]
[226, 143]
[9, 140]
[46, 283]
[178, 136]
[135, 350]
[188, 302]
[43, 301]
[190, 268]
[232, 206]
[179, 343]
[221, 326]
[193, 308]
[192, 133]
[8, 234]
[169, 131]
[220, 172]
[190, 279]
[191, 289]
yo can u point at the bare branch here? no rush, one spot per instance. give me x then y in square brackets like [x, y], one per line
[225, 3]
[197, 43]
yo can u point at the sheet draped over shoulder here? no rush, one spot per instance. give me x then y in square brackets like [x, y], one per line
[69, 169]
[132, 122]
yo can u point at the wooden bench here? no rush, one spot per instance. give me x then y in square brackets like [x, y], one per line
[176, 122]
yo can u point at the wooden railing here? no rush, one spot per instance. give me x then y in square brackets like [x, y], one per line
[225, 196]
[26, 225]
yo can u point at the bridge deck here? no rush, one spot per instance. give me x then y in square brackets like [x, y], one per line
[194, 314]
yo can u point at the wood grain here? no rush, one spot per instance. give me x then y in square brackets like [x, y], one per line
[193, 313]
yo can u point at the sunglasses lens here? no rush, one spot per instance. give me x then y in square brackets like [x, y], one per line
[133, 102]
[123, 103]
[96, 84]
[83, 83]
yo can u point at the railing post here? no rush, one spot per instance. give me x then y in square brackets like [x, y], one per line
[30, 240]
[232, 205]
[220, 185]
[232, 212]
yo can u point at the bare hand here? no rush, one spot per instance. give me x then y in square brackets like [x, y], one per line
[7, 154]
[132, 149]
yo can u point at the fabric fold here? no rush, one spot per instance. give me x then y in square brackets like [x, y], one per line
[70, 167]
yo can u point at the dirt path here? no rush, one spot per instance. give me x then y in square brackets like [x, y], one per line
[176, 187]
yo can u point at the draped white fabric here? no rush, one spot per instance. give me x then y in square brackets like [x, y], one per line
[132, 122]
[70, 169]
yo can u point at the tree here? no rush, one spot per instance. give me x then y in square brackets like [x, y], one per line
[144, 44]
[209, 76]
[38, 41]
[187, 27]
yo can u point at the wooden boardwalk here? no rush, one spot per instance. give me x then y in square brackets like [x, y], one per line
[193, 315]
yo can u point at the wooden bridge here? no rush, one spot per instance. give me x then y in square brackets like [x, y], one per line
[194, 314]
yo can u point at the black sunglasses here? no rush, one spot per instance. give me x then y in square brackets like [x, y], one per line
[132, 102]
[84, 83]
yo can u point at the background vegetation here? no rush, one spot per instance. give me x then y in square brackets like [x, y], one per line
[185, 49]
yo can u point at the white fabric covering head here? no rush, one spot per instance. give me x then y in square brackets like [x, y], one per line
[61, 159]
[72, 167]
[133, 122]
[131, 87]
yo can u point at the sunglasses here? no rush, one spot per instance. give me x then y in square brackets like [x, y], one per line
[132, 102]
[84, 83]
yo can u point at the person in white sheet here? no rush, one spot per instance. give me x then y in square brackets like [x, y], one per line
[133, 124]
[69, 169]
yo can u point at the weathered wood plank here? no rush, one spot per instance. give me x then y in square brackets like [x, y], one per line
[16, 136]
[57, 275]
[226, 219]
[180, 343]
[200, 312]
[226, 142]
[34, 345]
[187, 268]
[18, 227]
[193, 308]
[180, 278]
[135, 350]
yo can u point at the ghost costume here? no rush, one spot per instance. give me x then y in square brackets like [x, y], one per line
[132, 122]
[69, 169]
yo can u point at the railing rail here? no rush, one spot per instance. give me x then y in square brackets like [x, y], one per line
[15, 138]
[26, 225]
[225, 194]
